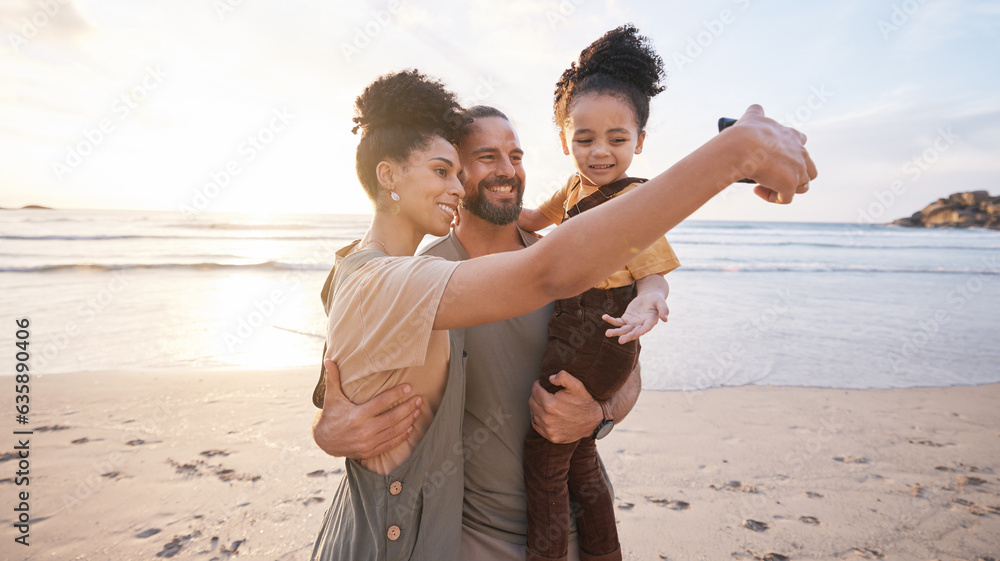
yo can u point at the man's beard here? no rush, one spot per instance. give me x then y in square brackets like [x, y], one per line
[501, 215]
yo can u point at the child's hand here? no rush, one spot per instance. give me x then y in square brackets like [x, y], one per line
[639, 318]
[532, 220]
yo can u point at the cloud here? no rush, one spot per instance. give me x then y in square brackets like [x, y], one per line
[226, 72]
[52, 21]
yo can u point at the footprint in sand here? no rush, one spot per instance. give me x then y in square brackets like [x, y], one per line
[851, 459]
[210, 453]
[868, 553]
[970, 480]
[186, 469]
[809, 520]
[51, 427]
[174, 546]
[136, 442]
[321, 473]
[148, 533]
[312, 500]
[813, 494]
[735, 486]
[626, 506]
[669, 503]
[930, 443]
[765, 557]
[8, 456]
[231, 550]
[81, 440]
[975, 509]
[212, 544]
[112, 474]
[226, 474]
[755, 525]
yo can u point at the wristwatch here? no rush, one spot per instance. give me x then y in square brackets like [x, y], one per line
[607, 424]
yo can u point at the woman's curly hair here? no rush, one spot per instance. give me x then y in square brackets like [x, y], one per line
[621, 63]
[397, 114]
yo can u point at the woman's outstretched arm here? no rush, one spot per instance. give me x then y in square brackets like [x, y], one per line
[598, 242]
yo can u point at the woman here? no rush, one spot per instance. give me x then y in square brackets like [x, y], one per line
[389, 310]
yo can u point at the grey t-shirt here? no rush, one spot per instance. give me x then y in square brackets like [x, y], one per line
[504, 359]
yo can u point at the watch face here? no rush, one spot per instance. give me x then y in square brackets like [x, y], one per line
[604, 429]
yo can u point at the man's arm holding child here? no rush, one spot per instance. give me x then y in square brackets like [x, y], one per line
[572, 413]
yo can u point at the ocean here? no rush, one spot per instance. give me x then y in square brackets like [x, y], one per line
[763, 303]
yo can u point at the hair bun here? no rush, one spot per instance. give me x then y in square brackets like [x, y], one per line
[625, 55]
[408, 100]
[621, 63]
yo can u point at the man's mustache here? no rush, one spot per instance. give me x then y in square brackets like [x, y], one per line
[513, 182]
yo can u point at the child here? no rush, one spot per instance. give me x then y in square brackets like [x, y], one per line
[601, 108]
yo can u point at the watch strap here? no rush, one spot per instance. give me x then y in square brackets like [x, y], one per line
[607, 424]
[606, 410]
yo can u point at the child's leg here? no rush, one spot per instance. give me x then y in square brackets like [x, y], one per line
[591, 501]
[595, 517]
[546, 471]
[576, 344]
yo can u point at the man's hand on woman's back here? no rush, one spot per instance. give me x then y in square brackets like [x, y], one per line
[364, 431]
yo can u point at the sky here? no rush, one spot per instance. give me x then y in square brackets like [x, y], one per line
[246, 105]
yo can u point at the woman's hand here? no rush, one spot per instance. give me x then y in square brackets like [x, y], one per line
[641, 315]
[363, 431]
[778, 160]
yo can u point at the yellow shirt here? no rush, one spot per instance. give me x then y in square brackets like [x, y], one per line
[657, 259]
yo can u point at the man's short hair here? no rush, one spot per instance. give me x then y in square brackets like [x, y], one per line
[478, 112]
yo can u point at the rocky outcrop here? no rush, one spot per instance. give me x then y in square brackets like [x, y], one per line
[28, 207]
[974, 209]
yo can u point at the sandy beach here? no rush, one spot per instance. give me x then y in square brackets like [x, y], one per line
[221, 464]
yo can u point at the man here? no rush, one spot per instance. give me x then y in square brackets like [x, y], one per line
[502, 393]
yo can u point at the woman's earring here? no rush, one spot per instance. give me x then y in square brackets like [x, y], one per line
[394, 196]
